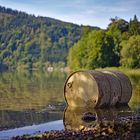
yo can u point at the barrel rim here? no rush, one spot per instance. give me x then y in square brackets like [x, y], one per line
[64, 89]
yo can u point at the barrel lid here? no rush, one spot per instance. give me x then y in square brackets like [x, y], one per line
[81, 89]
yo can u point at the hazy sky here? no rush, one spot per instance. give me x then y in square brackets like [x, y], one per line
[86, 12]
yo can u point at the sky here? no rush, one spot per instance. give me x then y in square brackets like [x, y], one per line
[82, 12]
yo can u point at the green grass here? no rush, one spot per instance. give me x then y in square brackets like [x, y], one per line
[127, 71]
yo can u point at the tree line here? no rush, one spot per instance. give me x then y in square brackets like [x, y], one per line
[118, 45]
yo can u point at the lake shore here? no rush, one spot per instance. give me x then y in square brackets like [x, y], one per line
[102, 131]
[126, 127]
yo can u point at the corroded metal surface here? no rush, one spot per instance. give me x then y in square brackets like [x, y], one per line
[115, 88]
[126, 87]
[103, 88]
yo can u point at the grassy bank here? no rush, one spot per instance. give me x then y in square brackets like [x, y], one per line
[127, 71]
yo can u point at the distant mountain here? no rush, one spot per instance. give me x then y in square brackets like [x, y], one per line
[27, 41]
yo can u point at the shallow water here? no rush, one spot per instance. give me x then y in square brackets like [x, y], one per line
[31, 98]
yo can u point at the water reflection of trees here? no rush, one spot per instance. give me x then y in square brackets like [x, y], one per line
[14, 119]
[27, 90]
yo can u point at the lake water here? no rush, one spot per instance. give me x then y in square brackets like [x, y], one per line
[33, 101]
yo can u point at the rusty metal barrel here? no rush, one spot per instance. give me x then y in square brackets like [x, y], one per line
[97, 88]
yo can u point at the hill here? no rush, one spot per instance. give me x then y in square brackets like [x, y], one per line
[27, 41]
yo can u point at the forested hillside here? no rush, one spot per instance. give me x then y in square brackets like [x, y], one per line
[118, 45]
[27, 41]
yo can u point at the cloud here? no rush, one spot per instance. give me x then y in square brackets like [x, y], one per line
[89, 12]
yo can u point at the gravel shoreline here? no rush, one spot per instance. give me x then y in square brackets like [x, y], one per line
[102, 131]
[101, 125]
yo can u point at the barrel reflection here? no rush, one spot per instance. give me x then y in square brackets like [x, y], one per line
[117, 121]
[73, 117]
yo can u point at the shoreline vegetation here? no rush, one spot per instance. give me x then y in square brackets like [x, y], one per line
[127, 71]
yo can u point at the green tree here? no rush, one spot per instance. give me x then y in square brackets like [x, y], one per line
[130, 53]
[77, 54]
[95, 50]
[134, 26]
[118, 29]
